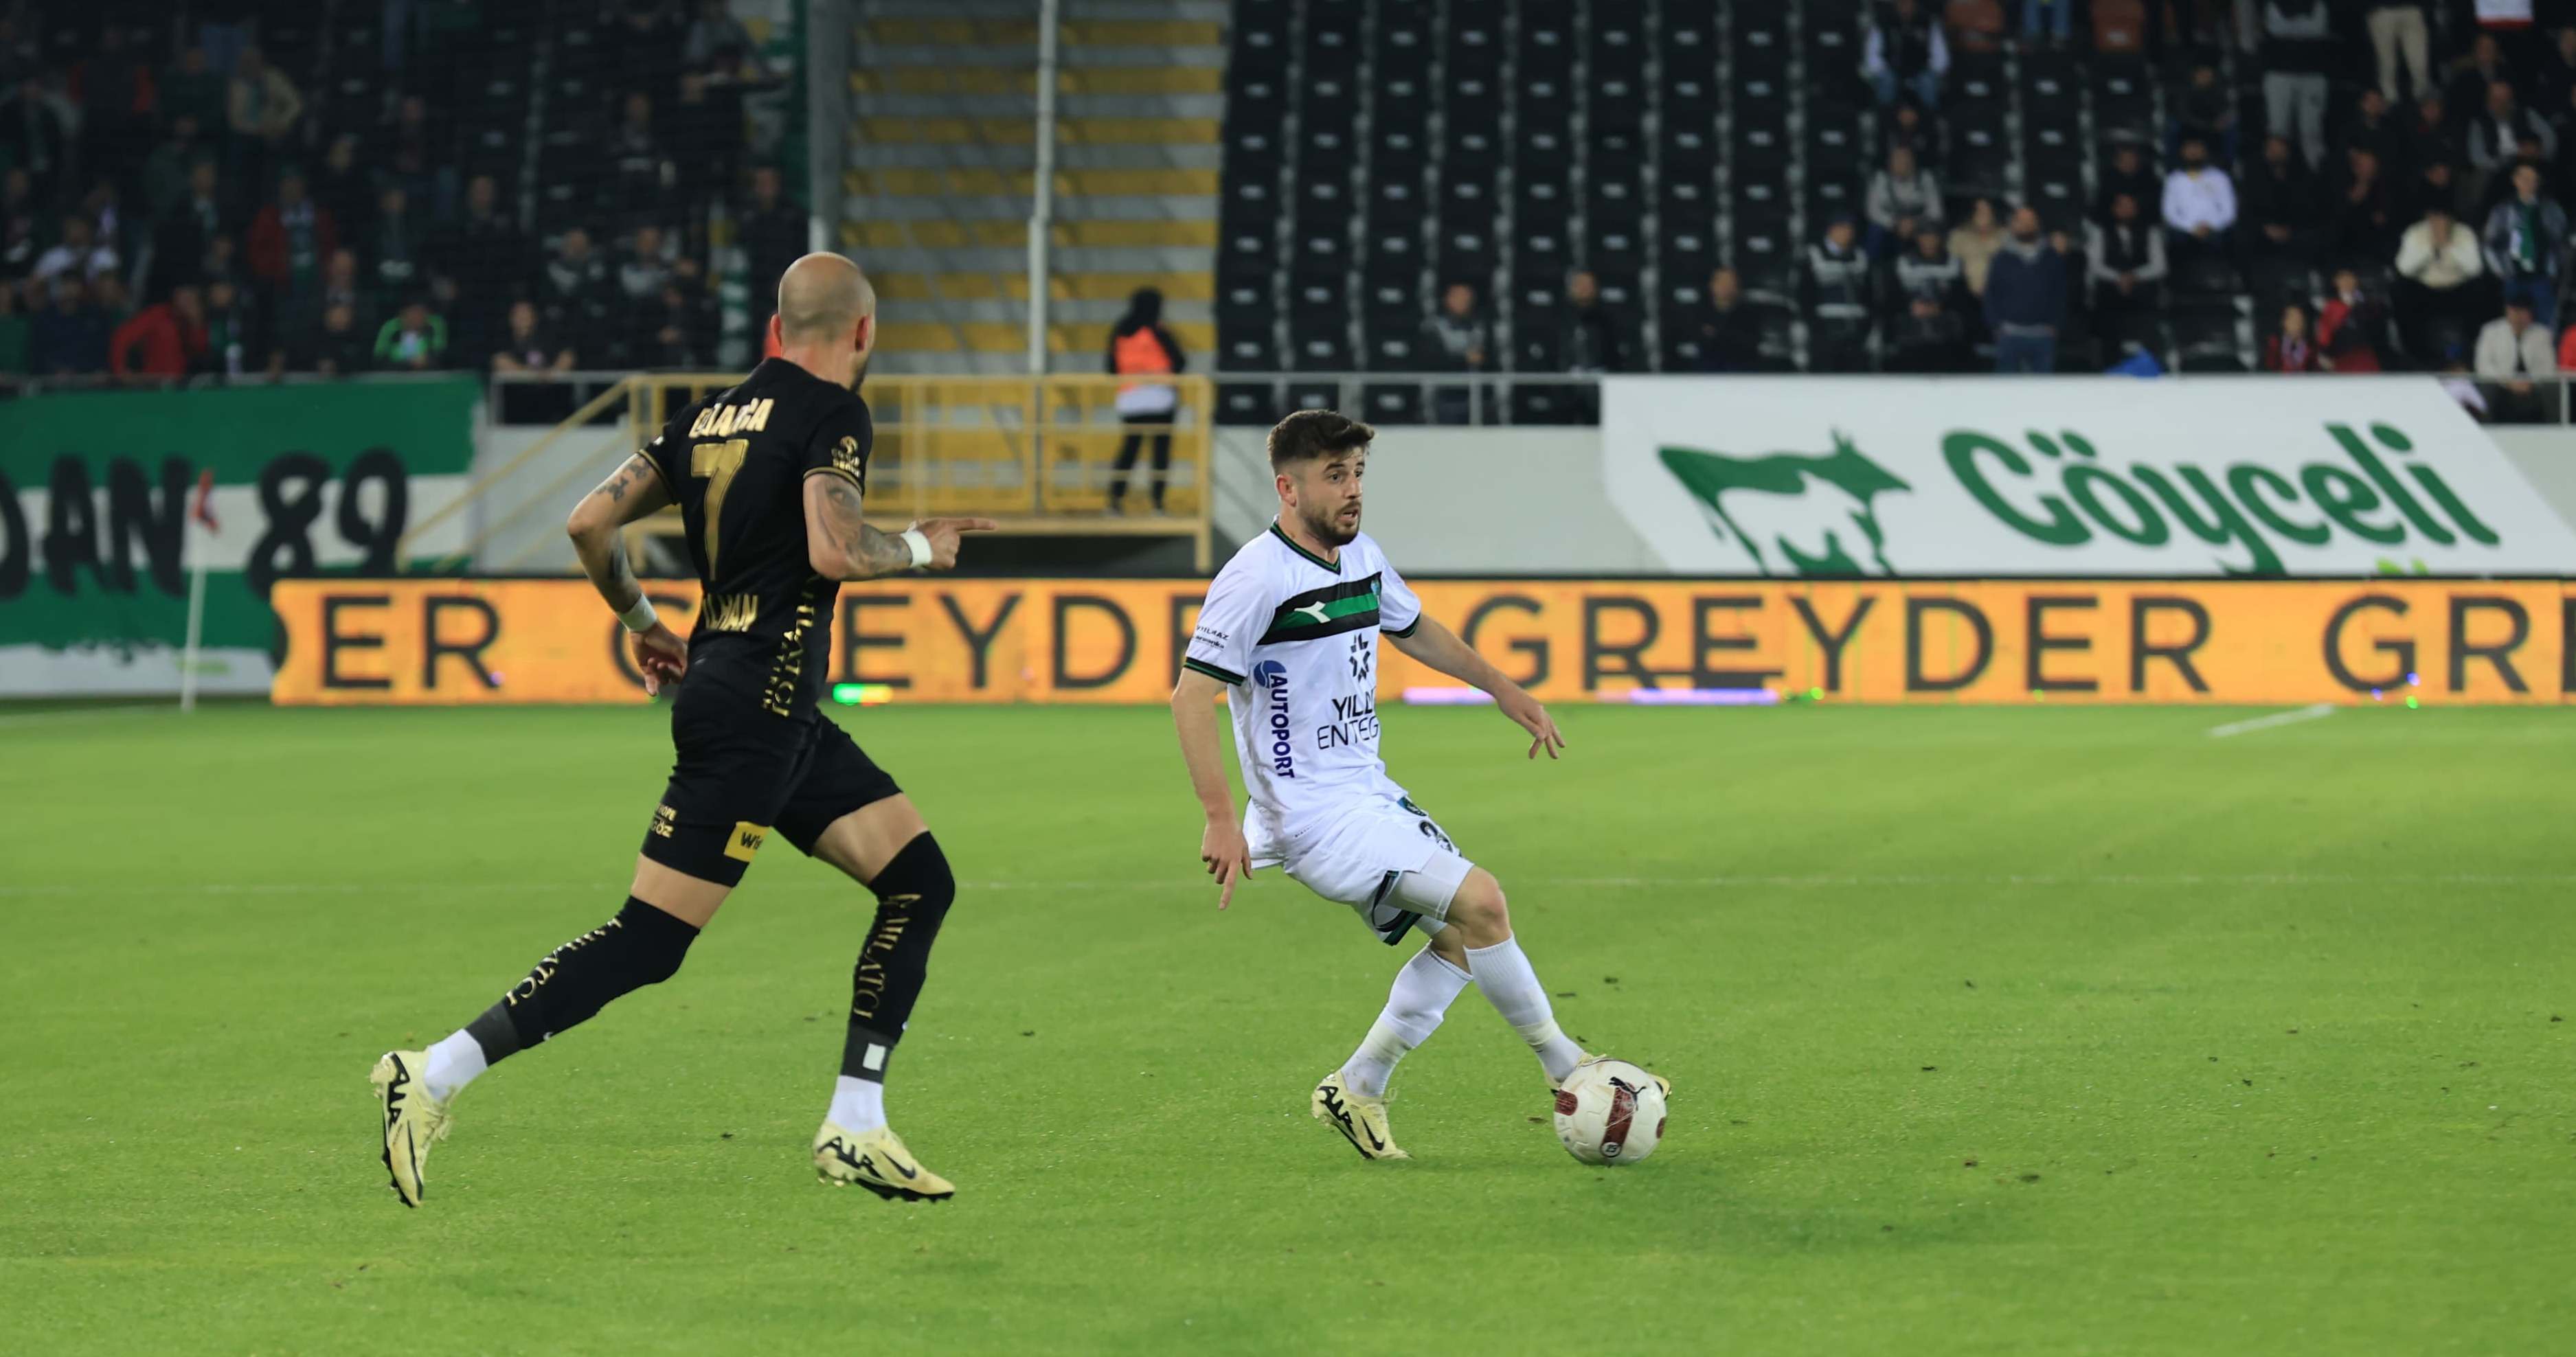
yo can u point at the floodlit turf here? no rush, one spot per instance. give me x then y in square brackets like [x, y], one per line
[1992, 1031]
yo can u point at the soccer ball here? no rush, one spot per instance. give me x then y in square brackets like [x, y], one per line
[1610, 1112]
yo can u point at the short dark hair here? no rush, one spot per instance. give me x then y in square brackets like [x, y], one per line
[1309, 434]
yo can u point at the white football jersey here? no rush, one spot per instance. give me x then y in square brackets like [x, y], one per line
[1295, 637]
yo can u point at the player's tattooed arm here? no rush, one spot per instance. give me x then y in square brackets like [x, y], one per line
[634, 490]
[842, 544]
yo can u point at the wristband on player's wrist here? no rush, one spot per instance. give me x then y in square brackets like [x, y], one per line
[641, 617]
[920, 544]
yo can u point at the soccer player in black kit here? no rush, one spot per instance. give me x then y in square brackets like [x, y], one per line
[768, 477]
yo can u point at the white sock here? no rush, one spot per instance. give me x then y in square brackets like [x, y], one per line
[1504, 974]
[858, 1105]
[453, 1063]
[1423, 991]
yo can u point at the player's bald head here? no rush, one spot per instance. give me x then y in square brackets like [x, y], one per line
[823, 297]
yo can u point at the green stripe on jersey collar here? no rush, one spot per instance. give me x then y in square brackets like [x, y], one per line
[1282, 535]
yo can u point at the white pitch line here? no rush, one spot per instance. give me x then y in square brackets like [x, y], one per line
[1786, 882]
[2278, 718]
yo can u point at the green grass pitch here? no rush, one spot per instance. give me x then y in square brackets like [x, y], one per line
[1994, 1031]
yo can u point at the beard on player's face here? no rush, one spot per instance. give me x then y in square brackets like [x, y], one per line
[1333, 525]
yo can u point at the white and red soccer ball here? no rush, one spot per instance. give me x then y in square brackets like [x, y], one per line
[1610, 1112]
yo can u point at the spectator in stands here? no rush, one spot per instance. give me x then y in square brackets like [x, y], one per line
[2438, 263]
[1141, 348]
[118, 102]
[1459, 339]
[2053, 19]
[2512, 351]
[2374, 126]
[77, 252]
[772, 234]
[2468, 77]
[399, 245]
[262, 107]
[13, 330]
[2291, 348]
[1928, 269]
[414, 150]
[577, 299]
[2556, 81]
[2283, 209]
[338, 347]
[166, 170]
[2429, 141]
[489, 263]
[2026, 298]
[342, 285]
[682, 322]
[2125, 263]
[223, 260]
[183, 233]
[2352, 330]
[344, 186]
[2366, 221]
[2566, 350]
[1927, 337]
[196, 89]
[1838, 300]
[21, 224]
[413, 340]
[1906, 54]
[1928, 332]
[2496, 138]
[2298, 51]
[2526, 245]
[160, 343]
[69, 338]
[2397, 30]
[714, 30]
[1901, 197]
[34, 134]
[1907, 127]
[2208, 111]
[646, 268]
[1730, 333]
[290, 238]
[2128, 173]
[1590, 337]
[2199, 206]
[642, 170]
[529, 346]
[1975, 242]
[238, 344]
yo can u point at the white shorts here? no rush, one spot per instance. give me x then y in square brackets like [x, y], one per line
[1388, 861]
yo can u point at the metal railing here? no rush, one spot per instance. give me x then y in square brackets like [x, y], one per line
[1035, 454]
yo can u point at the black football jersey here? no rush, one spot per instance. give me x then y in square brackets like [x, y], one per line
[736, 464]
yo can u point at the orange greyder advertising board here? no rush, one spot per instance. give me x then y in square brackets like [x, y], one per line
[357, 641]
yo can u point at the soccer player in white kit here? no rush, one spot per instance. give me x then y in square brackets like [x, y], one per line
[1289, 633]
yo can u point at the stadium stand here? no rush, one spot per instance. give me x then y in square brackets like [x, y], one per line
[1617, 185]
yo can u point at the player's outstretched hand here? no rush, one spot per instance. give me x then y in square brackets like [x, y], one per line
[660, 656]
[1228, 857]
[944, 533]
[1529, 715]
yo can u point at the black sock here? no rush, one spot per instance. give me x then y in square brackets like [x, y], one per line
[913, 895]
[641, 946]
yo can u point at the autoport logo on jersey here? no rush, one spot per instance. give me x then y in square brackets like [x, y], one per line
[2073, 477]
[1271, 676]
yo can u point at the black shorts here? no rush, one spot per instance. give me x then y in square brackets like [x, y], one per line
[741, 772]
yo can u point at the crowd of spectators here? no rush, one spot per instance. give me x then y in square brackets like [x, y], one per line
[174, 205]
[2380, 182]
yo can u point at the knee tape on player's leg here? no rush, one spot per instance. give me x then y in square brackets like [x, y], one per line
[641, 946]
[914, 891]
